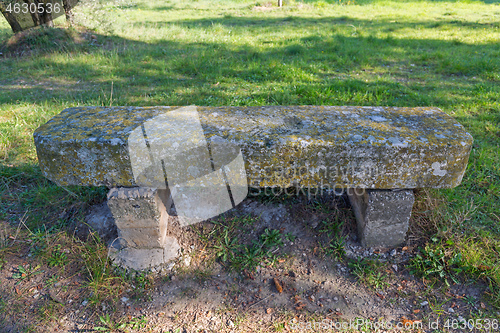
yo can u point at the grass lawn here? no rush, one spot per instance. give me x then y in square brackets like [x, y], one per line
[390, 53]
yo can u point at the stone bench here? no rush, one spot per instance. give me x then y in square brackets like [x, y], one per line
[377, 154]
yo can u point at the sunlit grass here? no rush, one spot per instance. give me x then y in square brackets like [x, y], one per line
[396, 53]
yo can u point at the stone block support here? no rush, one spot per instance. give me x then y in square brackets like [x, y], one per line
[382, 215]
[141, 218]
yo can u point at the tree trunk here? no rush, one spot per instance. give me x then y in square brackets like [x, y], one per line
[68, 12]
[11, 19]
[40, 18]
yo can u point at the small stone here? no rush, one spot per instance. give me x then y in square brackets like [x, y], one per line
[450, 310]
[337, 309]
[395, 267]
[124, 299]
[424, 303]
[394, 252]
[230, 323]
[335, 299]
[85, 302]
[461, 319]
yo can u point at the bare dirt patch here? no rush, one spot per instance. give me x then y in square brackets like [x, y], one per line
[305, 284]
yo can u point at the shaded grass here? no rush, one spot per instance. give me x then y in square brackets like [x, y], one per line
[409, 53]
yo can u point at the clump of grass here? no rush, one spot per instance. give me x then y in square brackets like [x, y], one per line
[101, 283]
[229, 246]
[248, 257]
[58, 257]
[438, 262]
[369, 272]
[451, 246]
[108, 324]
[332, 230]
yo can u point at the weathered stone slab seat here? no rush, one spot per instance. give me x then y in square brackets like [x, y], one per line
[336, 146]
[153, 156]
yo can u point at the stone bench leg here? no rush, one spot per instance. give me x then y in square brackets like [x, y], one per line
[382, 215]
[141, 218]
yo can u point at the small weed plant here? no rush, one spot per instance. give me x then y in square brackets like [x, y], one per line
[438, 261]
[369, 272]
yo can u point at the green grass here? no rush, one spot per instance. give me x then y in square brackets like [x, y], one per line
[396, 53]
[227, 242]
[370, 272]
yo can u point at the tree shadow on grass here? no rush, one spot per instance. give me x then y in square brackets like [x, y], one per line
[5, 33]
[305, 70]
[338, 69]
[367, 2]
[335, 68]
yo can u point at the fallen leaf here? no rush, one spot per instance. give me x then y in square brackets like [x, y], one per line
[281, 261]
[405, 248]
[269, 311]
[18, 291]
[416, 311]
[299, 306]
[407, 322]
[380, 296]
[482, 305]
[278, 285]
